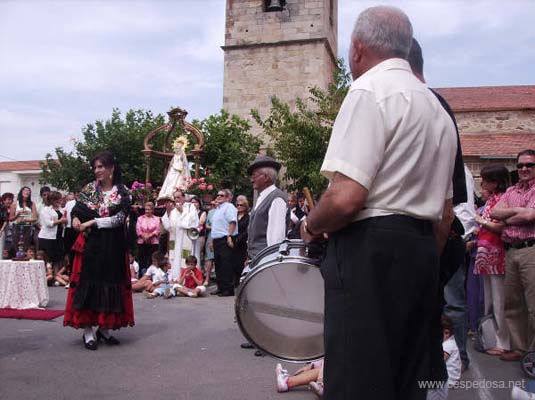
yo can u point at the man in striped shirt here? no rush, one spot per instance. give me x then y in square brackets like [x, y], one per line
[517, 209]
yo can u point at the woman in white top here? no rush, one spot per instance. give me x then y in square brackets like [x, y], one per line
[24, 215]
[51, 232]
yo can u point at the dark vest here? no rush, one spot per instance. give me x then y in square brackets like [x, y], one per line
[258, 223]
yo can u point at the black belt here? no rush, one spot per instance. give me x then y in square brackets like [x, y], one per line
[519, 245]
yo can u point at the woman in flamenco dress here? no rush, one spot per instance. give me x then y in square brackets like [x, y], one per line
[100, 293]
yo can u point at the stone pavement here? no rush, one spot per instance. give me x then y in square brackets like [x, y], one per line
[179, 349]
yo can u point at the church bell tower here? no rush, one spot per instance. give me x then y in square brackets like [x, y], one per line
[276, 48]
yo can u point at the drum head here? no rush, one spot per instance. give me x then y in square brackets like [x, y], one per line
[279, 308]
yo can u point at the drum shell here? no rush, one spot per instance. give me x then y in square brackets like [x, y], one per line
[280, 303]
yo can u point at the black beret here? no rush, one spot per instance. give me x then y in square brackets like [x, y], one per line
[263, 161]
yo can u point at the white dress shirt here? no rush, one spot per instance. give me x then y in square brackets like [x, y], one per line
[276, 229]
[393, 137]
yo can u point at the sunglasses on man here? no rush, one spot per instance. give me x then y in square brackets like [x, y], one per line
[527, 165]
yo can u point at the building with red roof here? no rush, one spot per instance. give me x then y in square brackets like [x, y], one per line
[495, 122]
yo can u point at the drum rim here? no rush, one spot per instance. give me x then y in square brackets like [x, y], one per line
[248, 277]
[291, 242]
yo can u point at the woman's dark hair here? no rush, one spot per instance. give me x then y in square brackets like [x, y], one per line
[19, 197]
[108, 160]
[496, 173]
[198, 201]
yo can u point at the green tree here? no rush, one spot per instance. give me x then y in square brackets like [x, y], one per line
[229, 150]
[124, 138]
[299, 137]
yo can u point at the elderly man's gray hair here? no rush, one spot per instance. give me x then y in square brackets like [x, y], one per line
[270, 172]
[228, 193]
[386, 30]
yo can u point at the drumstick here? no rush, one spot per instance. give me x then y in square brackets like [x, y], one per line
[308, 197]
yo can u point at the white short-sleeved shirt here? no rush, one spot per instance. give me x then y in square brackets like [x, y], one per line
[393, 137]
[453, 363]
[156, 274]
[276, 229]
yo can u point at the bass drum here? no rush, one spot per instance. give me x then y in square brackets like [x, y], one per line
[280, 302]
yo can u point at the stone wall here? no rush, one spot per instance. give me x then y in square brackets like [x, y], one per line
[496, 121]
[276, 53]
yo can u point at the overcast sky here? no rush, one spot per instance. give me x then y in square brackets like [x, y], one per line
[64, 64]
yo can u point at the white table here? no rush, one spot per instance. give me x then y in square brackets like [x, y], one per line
[23, 284]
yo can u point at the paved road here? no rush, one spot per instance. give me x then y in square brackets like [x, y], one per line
[179, 349]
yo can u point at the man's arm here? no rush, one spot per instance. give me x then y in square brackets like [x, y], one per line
[521, 216]
[442, 228]
[338, 206]
[501, 213]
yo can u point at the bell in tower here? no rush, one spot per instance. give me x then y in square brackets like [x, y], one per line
[275, 5]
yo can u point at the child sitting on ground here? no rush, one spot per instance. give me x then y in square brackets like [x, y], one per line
[190, 281]
[41, 255]
[311, 374]
[452, 358]
[145, 283]
[63, 276]
[134, 267]
[161, 285]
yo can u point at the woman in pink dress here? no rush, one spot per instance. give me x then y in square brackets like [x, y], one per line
[490, 257]
[148, 231]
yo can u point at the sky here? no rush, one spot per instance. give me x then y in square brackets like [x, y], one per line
[64, 64]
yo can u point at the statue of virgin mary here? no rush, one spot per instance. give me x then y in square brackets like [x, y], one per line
[178, 174]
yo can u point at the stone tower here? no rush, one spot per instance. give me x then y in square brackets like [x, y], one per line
[276, 47]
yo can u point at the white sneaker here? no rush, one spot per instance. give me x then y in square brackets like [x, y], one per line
[317, 388]
[282, 378]
[67, 286]
[519, 394]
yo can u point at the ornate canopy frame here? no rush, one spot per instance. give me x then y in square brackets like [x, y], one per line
[176, 119]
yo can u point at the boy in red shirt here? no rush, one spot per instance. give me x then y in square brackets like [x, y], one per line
[190, 282]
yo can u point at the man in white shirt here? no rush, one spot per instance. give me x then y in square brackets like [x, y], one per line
[177, 221]
[389, 161]
[267, 223]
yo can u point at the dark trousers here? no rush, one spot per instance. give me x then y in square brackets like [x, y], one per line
[381, 282]
[224, 265]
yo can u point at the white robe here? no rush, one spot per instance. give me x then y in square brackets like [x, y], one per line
[177, 225]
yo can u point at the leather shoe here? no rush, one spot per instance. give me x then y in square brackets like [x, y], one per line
[246, 345]
[225, 294]
[511, 356]
[108, 340]
[91, 345]
[259, 353]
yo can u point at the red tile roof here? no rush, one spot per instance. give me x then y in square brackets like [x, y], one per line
[496, 144]
[20, 165]
[490, 98]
